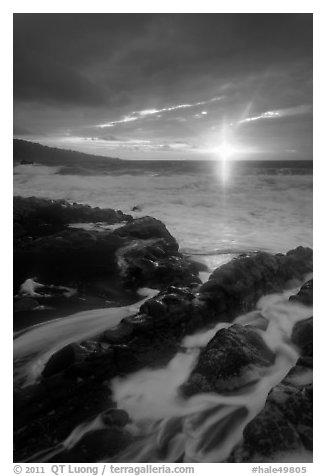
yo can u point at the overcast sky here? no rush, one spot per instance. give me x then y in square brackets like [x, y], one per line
[165, 85]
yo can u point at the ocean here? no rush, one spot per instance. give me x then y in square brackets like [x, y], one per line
[215, 213]
[258, 205]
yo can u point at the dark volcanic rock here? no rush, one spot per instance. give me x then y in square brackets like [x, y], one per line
[96, 446]
[63, 359]
[230, 360]
[37, 217]
[26, 162]
[25, 304]
[141, 253]
[153, 261]
[233, 288]
[68, 257]
[302, 337]
[285, 424]
[75, 385]
[237, 285]
[305, 295]
[52, 411]
[115, 417]
[143, 267]
[148, 227]
[170, 308]
[302, 334]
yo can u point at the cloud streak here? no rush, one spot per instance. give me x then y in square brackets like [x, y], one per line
[138, 115]
[149, 77]
[291, 111]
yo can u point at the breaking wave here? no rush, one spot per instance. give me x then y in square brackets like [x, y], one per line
[251, 213]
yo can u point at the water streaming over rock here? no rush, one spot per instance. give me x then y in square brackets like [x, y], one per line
[205, 427]
[167, 427]
[35, 345]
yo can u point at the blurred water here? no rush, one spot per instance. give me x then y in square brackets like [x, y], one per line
[34, 345]
[205, 427]
[263, 206]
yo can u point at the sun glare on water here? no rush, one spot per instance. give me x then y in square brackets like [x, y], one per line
[225, 153]
[225, 150]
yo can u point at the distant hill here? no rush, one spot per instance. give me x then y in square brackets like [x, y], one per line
[25, 152]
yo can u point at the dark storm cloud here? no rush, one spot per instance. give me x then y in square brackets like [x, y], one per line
[38, 79]
[75, 71]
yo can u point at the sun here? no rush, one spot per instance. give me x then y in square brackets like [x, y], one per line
[225, 151]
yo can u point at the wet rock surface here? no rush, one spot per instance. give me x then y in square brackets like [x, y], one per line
[238, 285]
[96, 446]
[181, 311]
[36, 217]
[305, 295]
[302, 337]
[302, 334]
[25, 304]
[110, 263]
[230, 360]
[285, 424]
[75, 384]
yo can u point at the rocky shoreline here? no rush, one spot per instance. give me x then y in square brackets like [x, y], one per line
[111, 264]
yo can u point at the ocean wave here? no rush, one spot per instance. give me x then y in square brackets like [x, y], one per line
[252, 212]
[165, 168]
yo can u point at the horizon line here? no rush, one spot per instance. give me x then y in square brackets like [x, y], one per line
[164, 160]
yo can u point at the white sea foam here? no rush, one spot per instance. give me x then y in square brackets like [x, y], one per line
[99, 226]
[32, 288]
[253, 212]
